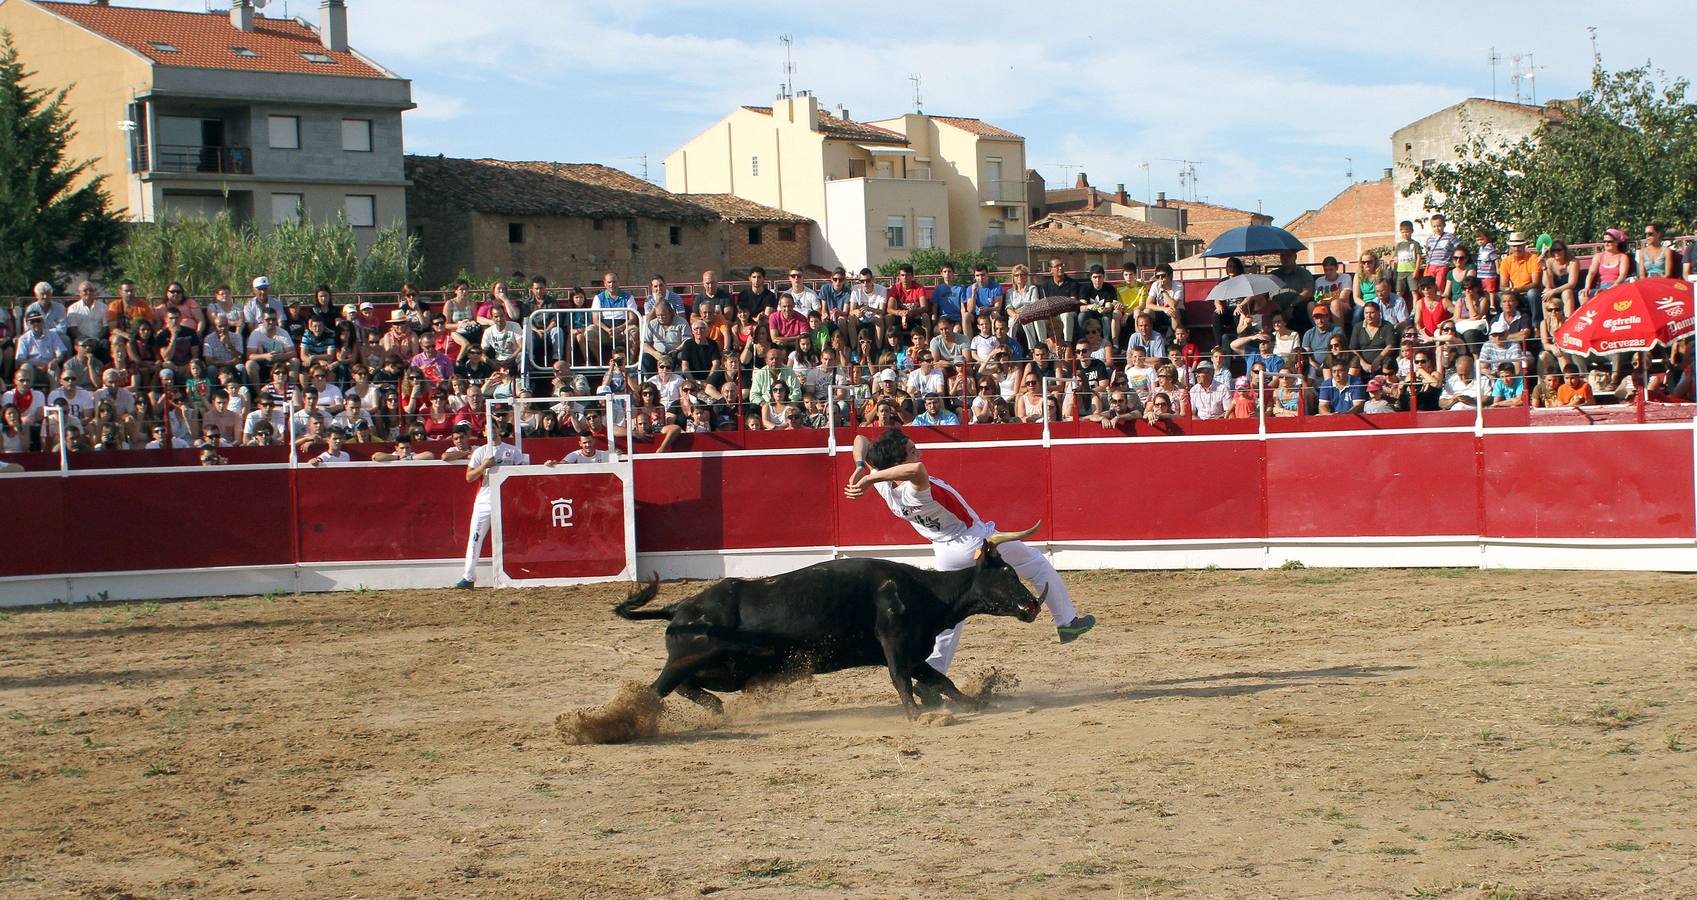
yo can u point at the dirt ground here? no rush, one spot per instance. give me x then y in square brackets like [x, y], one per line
[1291, 733]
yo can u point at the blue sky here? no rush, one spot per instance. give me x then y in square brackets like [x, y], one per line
[1269, 98]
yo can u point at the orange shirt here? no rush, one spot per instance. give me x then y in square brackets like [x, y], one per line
[1566, 393]
[124, 316]
[1521, 274]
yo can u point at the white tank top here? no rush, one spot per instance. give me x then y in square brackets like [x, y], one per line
[938, 513]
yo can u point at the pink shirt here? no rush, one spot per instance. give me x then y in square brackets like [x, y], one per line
[792, 325]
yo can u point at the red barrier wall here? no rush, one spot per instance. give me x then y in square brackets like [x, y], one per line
[1567, 483]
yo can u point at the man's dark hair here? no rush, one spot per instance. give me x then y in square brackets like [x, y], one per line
[890, 449]
[904, 269]
[758, 270]
[980, 267]
[1098, 270]
[538, 279]
[1405, 223]
[839, 270]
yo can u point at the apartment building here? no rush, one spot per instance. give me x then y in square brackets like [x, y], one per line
[874, 191]
[197, 113]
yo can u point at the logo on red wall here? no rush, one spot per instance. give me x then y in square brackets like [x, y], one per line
[561, 512]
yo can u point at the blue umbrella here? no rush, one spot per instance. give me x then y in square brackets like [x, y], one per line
[1254, 240]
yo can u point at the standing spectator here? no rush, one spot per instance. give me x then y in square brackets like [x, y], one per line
[985, 297]
[87, 317]
[1342, 393]
[1211, 395]
[1610, 266]
[1485, 262]
[1439, 251]
[949, 300]
[1408, 255]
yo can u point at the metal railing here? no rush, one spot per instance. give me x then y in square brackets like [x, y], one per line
[187, 158]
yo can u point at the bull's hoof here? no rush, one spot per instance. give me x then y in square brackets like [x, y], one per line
[927, 695]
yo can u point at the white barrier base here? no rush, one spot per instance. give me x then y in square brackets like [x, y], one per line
[1401, 553]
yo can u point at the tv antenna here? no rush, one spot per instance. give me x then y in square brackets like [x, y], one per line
[1494, 58]
[1066, 171]
[1522, 71]
[788, 40]
[1349, 169]
[644, 159]
[918, 96]
[1186, 177]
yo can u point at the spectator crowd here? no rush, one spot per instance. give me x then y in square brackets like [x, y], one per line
[1441, 324]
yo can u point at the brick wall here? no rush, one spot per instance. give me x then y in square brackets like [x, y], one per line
[573, 251]
[773, 251]
[1360, 218]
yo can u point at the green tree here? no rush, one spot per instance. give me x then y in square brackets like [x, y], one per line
[1622, 154]
[930, 261]
[48, 229]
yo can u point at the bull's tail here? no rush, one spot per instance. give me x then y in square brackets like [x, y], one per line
[631, 607]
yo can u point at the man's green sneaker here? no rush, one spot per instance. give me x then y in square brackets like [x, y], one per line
[1075, 629]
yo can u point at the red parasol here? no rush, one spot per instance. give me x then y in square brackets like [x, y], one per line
[1630, 318]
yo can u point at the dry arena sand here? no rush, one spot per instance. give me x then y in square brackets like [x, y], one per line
[1287, 733]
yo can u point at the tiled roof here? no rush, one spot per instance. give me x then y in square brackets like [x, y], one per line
[831, 126]
[1123, 226]
[548, 189]
[732, 208]
[1054, 239]
[1224, 212]
[204, 40]
[978, 127]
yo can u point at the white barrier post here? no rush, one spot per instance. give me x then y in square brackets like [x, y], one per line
[1260, 400]
[1045, 388]
[58, 412]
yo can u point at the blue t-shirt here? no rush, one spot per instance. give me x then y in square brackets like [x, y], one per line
[948, 298]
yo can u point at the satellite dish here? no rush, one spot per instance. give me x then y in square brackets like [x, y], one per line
[260, 4]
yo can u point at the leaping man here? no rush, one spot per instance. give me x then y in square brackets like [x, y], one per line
[937, 511]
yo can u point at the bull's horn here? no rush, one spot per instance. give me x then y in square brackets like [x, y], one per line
[1001, 537]
[1044, 596]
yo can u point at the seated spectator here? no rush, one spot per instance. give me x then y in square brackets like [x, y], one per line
[333, 453]
[1160, 409]
[1144, 337]
[351, 417]
[1342, 393]
[1425, 382]
[1575, 391]
[779, 413]
[1605, 388]
[1547, 389]
[209, 456]
[1378, 400]
[1509, 389]
[1029, 404]
[403, 451]
[934, 413]
[1374, 341]
[159, 442]
[1211, 395]
[1516, 325]
[461, 445]
[1498, 350]
[14, 434]
[949, 346]
[1123, 408]
[926, 377]
[1290, 394]
[502, 338]
[1464, 387]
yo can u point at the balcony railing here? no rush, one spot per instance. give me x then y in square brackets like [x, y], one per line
[1002, 192]
[184, 158]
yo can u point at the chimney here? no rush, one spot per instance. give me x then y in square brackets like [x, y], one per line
[333, 25]
[1083, 181]
[842, 113]
[1119, 195]
[1160, 198]
[1095, 198]
[1387, 174]
[241, 15]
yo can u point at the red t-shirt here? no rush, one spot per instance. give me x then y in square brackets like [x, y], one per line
[793, 325]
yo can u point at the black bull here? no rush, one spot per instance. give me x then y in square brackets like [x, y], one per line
[833, 615]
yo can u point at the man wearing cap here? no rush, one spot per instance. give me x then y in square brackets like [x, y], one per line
[44, 350]
[399, 339]
[886, 394]
[1209, 397]
[365, 316]
[1521, 273]
[253, 311]
[1496, 351]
